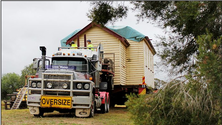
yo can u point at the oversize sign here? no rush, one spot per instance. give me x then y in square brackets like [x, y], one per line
[56, 102]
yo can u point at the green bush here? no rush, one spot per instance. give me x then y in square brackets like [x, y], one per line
[9, 83]
[175, 104]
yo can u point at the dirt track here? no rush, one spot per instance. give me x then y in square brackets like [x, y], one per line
[116, 116]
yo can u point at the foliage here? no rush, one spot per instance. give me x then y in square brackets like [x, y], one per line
[175, 104]
[210, 61]
[186, 19]
[12, 81]
[210, 67]
[9, 83]
[28, 70]
[159, 83]
[103, 12]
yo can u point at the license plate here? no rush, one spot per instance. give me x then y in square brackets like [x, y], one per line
[56, 102]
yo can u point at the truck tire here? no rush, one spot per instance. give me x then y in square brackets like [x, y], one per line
[104, 106]
[107, 105]
[93, 107]
[41, 113]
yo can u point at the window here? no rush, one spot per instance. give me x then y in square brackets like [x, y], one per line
[78, 64]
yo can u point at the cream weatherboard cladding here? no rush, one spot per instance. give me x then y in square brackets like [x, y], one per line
[131, 63]
[135, 63]
[139, 64]
[110, 45]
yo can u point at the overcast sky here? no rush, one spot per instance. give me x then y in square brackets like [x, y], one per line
[28, 24]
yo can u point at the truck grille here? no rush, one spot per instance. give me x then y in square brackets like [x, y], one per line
[57, 76]
[57, 80]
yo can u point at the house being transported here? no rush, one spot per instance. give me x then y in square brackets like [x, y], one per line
[131, 51]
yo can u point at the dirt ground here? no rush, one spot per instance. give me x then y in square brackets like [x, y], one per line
[116, 116]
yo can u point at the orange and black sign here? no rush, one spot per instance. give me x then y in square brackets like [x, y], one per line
[56, 102]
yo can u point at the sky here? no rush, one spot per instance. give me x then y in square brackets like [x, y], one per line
[26, 25]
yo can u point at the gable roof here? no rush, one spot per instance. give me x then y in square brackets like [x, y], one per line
[121, 32]
[76, 34]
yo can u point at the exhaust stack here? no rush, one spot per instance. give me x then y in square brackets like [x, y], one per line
[43, 49]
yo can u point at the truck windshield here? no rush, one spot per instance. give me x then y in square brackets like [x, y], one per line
[77, 64]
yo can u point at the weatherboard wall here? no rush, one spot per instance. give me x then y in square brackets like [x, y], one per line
[110, 45]
[139, 63]
[131, 63]
[134, 63]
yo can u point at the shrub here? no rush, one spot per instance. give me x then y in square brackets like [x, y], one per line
[176, 104]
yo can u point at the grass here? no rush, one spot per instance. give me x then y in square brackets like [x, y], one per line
[116, 116]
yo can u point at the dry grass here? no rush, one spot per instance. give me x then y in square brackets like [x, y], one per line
[116, 116]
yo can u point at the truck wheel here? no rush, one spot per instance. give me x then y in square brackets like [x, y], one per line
[107, 105]
[93, 107]
[104, 107]
[41, 113]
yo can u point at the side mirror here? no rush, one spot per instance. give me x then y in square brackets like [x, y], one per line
[103, 86]
[35, 63]
[94, 57]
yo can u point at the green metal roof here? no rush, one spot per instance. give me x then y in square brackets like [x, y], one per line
[124, 31]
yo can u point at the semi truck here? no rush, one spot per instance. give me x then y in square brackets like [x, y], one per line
[75, 80]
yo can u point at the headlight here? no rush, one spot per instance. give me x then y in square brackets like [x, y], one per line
[86, 86]
[64, 86]
[79, 86]
[39, 84]
[34, 84]
[49, 85]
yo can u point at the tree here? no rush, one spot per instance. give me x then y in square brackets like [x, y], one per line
[28, 70]
[10, 82]
[187, 20]
[103, 12]
[210, 67]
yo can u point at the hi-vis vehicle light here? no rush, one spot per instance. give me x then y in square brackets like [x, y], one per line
[49, 85]
[34, 84]
[64, 86]
[39, 84]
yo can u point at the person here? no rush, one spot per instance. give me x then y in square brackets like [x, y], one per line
[90, 45]
[73, 45]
